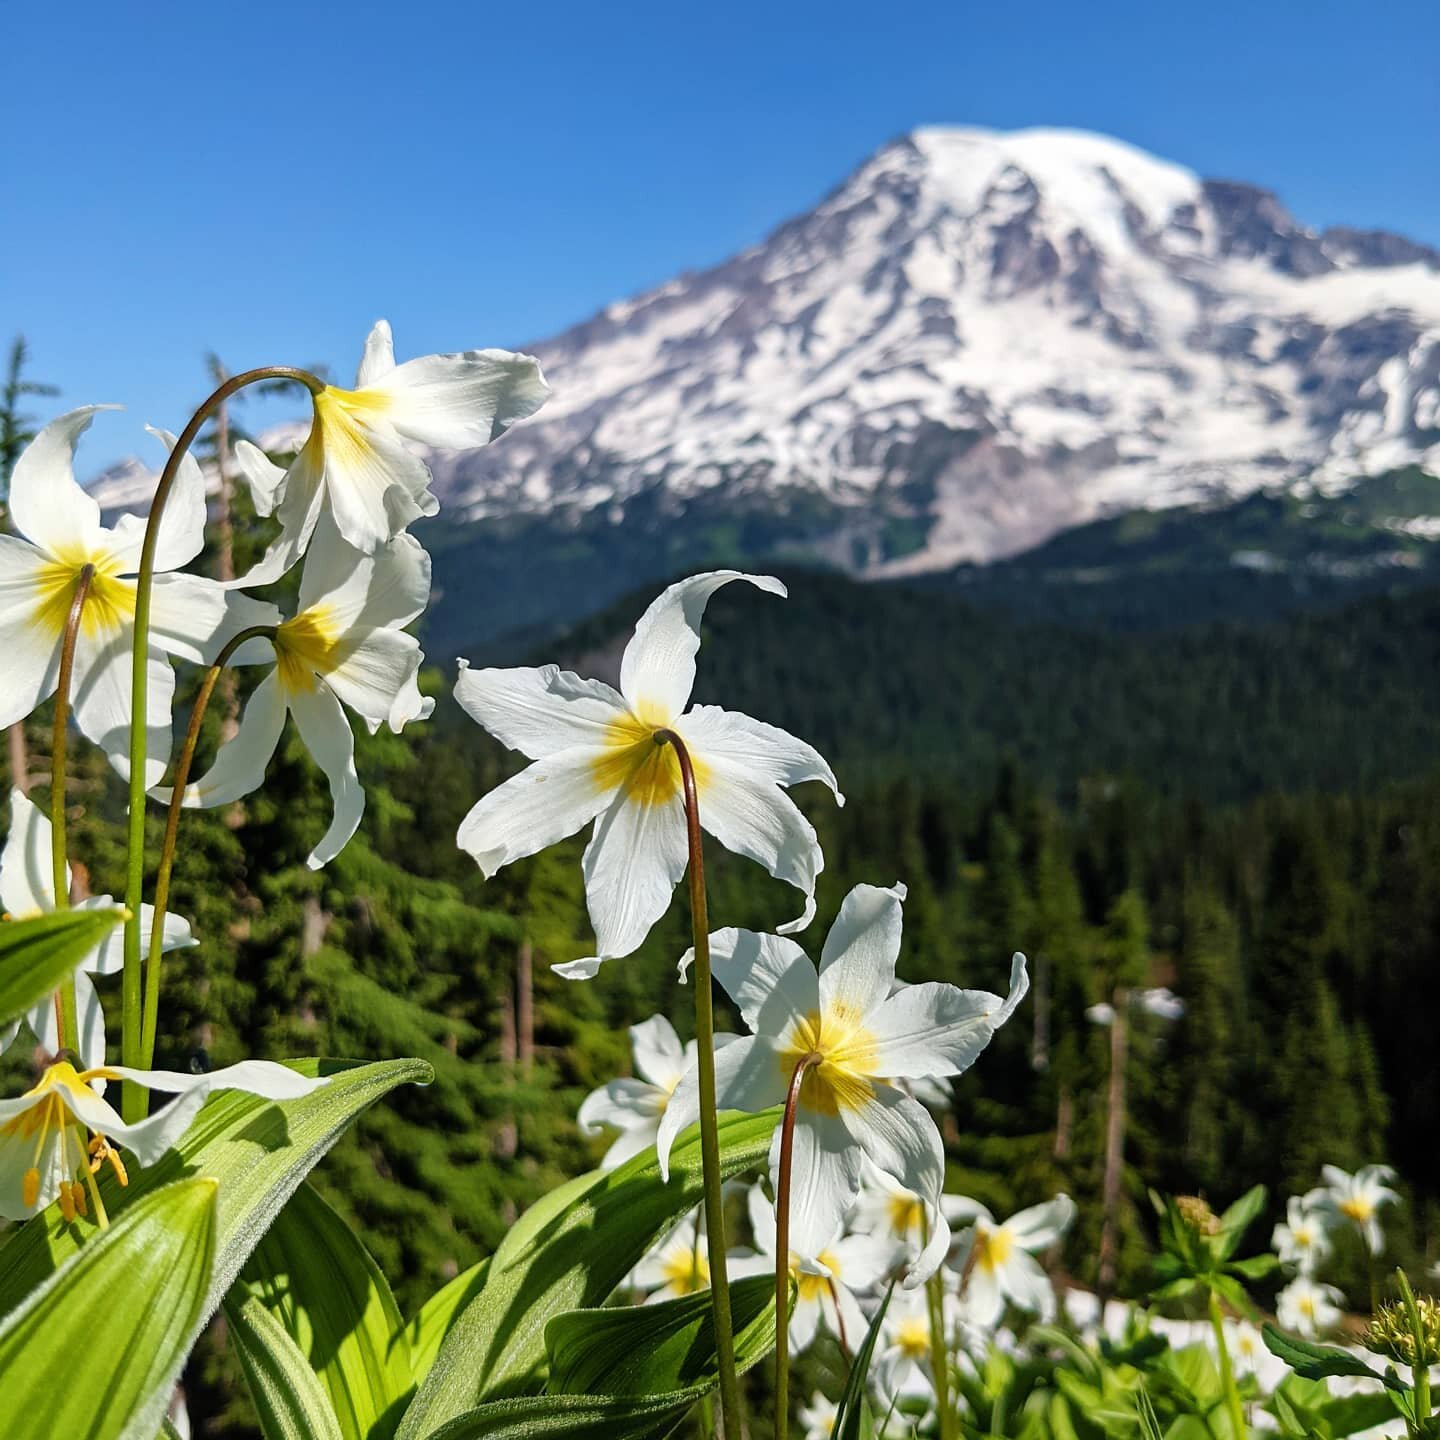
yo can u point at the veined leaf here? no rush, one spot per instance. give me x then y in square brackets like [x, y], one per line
[850, 1413]
[36, 955]
[1314, 1362]
[259, 1150]
[425, 1334]
[496, 1347]
[316, 1279]
[95, 1350]
[1237, 1220]
[289, 1398]
[651, 1349]
[627, 1374]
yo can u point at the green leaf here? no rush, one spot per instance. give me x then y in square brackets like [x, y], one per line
[496, 1347]
[1237, 1220]
[649, 1349]
[289, 1398]
[95, 1350]
[424, 1335]
[313, 1275]
[36, 955]
[1349, 1414]
[259, 1150]
[1257, 1267]
[850, 1412]
[1314, 1362]
[629, 1373]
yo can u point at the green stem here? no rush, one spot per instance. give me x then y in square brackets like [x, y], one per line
[65, 1010]
[782, 1250]
[155, 959]
[133, 1099]
[709, 1119]
[939, 1357]
[1227, 1371]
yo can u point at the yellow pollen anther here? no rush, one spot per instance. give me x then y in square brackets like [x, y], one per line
[67, 1202]
[841, 1077]
[30, 1188]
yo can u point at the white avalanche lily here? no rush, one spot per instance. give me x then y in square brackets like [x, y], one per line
[865, 1039]
[678, 1265]
[60, 1133]
[997, 1262]
[1300, 1239]
[596, 758]
[825, 1280]
[1346, 1199]
[819, 1417]
[902, 1364]
[887, 1209]
[1308, 1308]
[633, 1106]
[358, 463]
[59, 535]
[26, 889]
[345, 644]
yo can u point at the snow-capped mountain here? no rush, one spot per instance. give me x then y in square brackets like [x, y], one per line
[977, 340]
[991, 337]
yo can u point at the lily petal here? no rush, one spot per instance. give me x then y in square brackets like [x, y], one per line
[331, 743]
[461, 401]
[657, 672]
[539, 712]
[747, 1077]
[240, 763]
[26, 886]
[47, 505]
[378, 357]
[31, 647]
[770, 979]
[754, 747]
[659, 1055]
[857, 965]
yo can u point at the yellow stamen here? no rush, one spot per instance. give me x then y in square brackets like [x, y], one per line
[913, 1338]
[992, 1247]
[1357, 1208]
[810, 1286]
[841, 1078]
[906, 1213]
[30, 1188]
[109, 603]
[687, 1271]
[67, 1203]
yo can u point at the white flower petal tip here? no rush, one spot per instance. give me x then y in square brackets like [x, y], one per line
[789, 928]
[1019, 988]
[586, 969]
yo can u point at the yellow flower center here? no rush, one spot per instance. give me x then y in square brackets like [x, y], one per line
[344, 421]
[687, 1270]
[992, 1247]
[632, 759]
[1306, 1306]
[841, 1078]
[913, 1338]
[307, 646]
[1357, 1208]
[50, 1113]
[810, 1286]
[109, 603]
[906, 1213]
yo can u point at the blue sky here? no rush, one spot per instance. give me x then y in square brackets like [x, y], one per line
[264, 180]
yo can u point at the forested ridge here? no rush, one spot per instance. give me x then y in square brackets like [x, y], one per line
[1248, 815]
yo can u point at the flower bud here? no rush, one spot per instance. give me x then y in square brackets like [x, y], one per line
[1391, 1334]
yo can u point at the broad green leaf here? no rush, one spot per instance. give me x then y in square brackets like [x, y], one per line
[1237, 1220]
[259, 1150]
[316, 1279]
[850, 1413]
[1257, 1267]
[628, 1373]
[425, 1334]
[573, 1261]
[1314, 1362]
[37, 954]
[290, 1400]
[650, 1349]
[1350, 1414]
[95, 1350]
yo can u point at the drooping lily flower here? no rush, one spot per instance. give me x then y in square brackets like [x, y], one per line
[1300, 1239]
[677, 1265]
[902, 1364]
[819, 1417]
[26, 889]
[597, 758]
[633, 1106]
[345, 646]
[62, 1131]
[1346, 1199]
[859, 1038]
[59, 535]
[825, 1281]
[887, 1209]
[359, 464]
[1308, 1308]
[997, 1262]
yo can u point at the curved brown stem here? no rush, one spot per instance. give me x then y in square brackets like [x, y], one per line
[67, 1021]
[705, 1073]
[782, 1248]
[132, 1096]
[180, 780]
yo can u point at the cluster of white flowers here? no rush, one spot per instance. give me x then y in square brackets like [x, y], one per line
[1304, 1240]
[343, 507]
